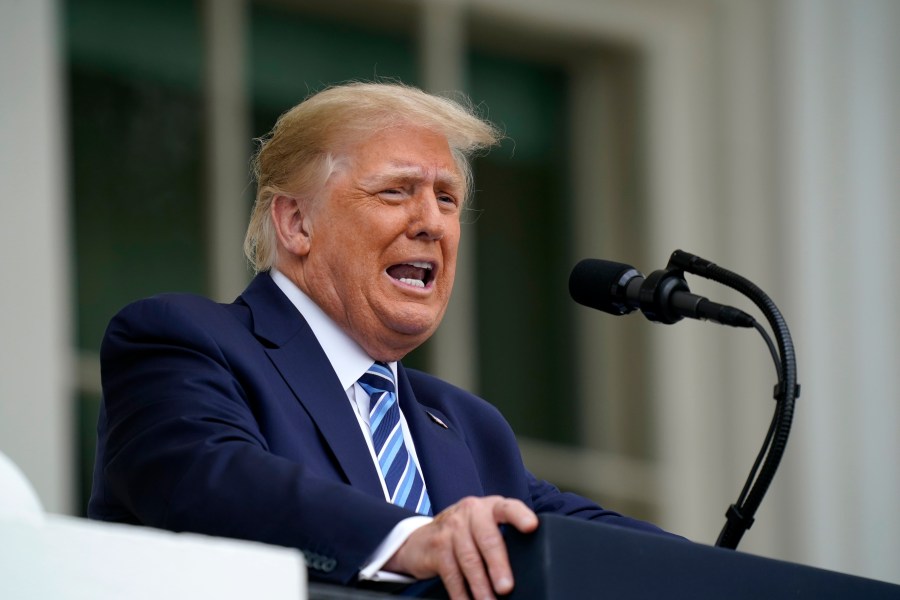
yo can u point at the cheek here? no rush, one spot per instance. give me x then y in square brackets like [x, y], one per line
[347, 254]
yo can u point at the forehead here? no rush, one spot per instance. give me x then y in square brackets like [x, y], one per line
[404, 152]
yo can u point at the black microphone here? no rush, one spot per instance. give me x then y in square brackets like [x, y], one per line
[663, 297]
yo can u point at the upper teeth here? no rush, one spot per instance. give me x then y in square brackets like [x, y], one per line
[420, 264]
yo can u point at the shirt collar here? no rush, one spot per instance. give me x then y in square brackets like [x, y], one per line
[347, 358]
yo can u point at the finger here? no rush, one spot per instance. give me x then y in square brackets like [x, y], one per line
[469, 557]
[515, 513]
[453, 579]
[491, 546]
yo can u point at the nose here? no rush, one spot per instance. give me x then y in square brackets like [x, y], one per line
[428, 222]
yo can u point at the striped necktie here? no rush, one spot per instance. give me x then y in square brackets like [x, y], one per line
[404, 482]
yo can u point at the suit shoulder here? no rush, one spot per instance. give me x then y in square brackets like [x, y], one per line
[171, 301]
[176, 312]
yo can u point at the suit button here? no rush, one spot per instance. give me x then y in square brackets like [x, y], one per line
[318, 562]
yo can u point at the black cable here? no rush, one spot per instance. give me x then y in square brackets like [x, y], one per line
[768, 441]
[759, 458]
[772, 349]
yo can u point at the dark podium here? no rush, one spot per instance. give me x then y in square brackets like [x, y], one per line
[571, 559]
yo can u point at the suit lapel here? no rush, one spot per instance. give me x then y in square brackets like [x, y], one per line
[446, 462]
[295, 352]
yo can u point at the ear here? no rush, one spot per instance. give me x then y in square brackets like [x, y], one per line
[291, 219]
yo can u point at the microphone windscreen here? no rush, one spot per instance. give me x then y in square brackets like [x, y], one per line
[601, 284]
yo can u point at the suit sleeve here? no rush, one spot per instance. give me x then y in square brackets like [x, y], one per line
[180, 449]
[546, 497]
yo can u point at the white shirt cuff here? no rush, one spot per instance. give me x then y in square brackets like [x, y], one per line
[371, 571]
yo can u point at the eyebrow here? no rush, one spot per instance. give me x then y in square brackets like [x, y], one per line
[412, 173]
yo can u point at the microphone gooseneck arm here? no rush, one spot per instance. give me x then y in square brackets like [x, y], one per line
[739, 516]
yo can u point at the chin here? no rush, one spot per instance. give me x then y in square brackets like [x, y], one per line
[414, 324]
[417, 329]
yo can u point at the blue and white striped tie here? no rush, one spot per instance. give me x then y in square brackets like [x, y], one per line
[404, 482]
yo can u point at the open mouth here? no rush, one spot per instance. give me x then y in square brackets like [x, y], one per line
[417, 273]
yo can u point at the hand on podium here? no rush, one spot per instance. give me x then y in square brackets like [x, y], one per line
[464, 546]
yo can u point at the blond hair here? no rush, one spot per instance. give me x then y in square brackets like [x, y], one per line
[299, 155]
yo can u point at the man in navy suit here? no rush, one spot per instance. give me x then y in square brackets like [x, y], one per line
[256, 419]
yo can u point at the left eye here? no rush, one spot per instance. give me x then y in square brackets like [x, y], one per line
[447, 199]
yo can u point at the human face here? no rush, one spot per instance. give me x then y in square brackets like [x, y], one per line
[383, 239]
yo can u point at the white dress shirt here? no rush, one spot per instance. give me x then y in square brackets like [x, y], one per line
[350, 362]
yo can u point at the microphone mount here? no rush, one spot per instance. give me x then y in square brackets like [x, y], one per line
[658, 292]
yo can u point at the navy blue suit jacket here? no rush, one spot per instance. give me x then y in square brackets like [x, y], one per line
[229, 420]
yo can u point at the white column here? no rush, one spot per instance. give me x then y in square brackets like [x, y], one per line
[874, 184]
[841, 129]
[227, 145]
[442, 51]
[36, 393]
